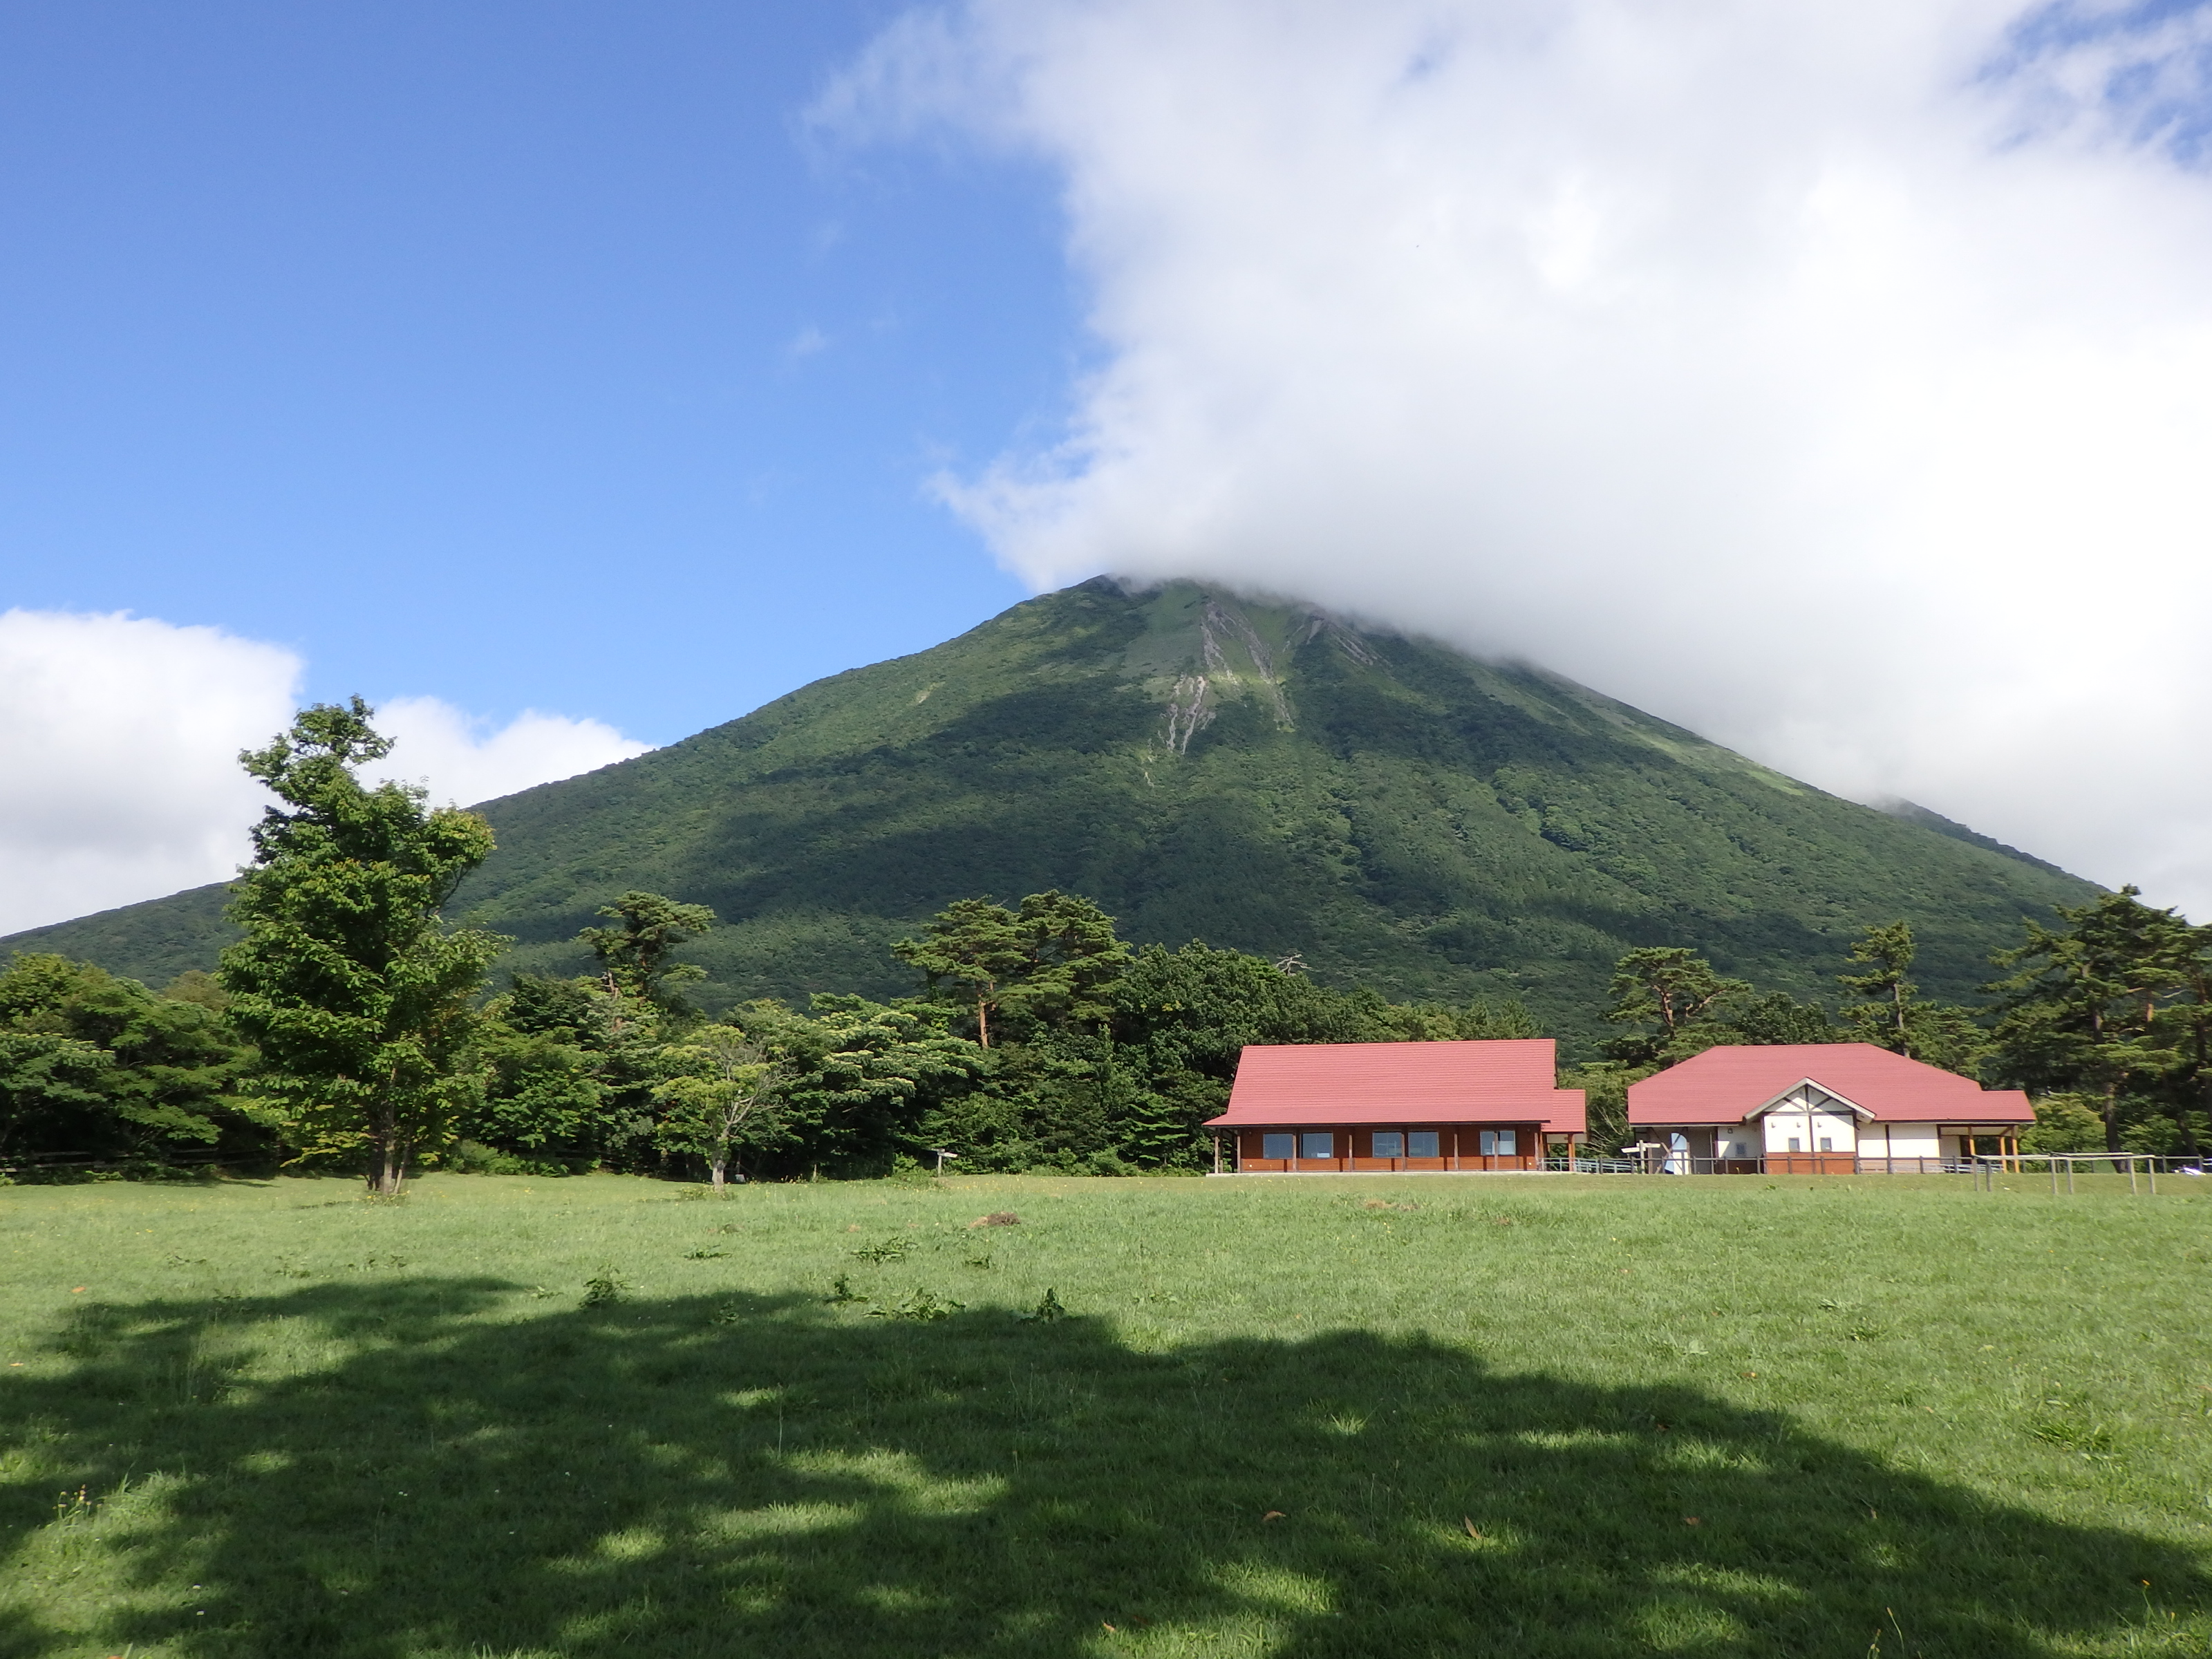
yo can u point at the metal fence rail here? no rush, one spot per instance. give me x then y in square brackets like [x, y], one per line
[1581, 1163]
[1983, 1167]
[31, 1163]
[1986, 1170]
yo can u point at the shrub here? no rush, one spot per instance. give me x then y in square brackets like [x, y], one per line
[474, 1158]
[2064, 1123]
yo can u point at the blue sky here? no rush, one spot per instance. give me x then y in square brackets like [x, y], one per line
[521, 355]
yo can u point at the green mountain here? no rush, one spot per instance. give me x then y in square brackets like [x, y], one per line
[1259, 776]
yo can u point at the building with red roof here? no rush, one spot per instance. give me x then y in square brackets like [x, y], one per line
[1336, 1108]
[1819, 1108]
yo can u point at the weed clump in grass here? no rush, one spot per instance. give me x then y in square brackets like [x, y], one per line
[889, 1249]
[996, 1218]
[841, 1292]
[923, 1305]
[2067, 1422]
[1048, 1311]
[604, 1287]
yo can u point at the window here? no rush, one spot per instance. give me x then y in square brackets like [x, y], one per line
[1319, 1144]
[1422, 1143]
[1498, 1143]
[1796, 1145]
[1826, 1145]
[1389, 1143]
[1278, 1145]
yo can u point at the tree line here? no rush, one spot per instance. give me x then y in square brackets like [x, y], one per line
[2105, 1019]
[352, 1027]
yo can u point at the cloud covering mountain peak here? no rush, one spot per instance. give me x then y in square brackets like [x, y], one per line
[1835, 379]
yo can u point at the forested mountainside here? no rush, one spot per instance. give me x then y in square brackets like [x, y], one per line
[1259, 776]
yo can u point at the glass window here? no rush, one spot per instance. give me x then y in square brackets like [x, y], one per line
[1278, 1145]
[1489, 1142]
[1389, 1143]
[1796, 1145]
[1508, 1141]
[1826, 1145]
[1318, 1144]
[1422, 1143]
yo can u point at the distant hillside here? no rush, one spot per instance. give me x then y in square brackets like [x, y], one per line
[1262, 776]
[1913, 812]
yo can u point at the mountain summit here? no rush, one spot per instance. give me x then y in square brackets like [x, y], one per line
[1262, 776]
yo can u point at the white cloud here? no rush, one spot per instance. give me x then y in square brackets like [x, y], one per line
[118, 741]
[1832, 376]
[465, 760]
[119, 744]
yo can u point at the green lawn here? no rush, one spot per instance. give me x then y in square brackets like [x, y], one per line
[1529, 1416]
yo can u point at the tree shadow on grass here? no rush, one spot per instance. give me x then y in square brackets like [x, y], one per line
[382, 1471]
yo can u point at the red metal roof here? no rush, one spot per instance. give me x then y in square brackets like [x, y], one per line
[1505, 1081]
[1721, 1085]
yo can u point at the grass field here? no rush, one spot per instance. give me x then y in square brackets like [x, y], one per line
[1538, 1416]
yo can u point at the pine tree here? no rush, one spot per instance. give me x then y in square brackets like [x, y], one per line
[2086, 1008]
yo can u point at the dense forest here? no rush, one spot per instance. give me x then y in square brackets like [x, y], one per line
[350, 1027]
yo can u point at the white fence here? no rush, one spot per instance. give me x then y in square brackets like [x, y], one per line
[1986, 1170]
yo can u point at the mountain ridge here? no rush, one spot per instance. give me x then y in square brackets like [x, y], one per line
[1257, 773]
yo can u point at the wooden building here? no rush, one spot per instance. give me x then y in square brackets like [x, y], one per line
[1820, 1108]
[1345, 1108]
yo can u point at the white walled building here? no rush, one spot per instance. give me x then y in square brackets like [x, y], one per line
[1836, 1107]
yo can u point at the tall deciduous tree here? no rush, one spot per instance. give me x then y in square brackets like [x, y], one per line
[348, 978]
[49, 1085]
[161, 1072]
[722, 1092]
[863, 1076]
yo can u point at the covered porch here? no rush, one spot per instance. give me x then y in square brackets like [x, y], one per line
[1379, 1149]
